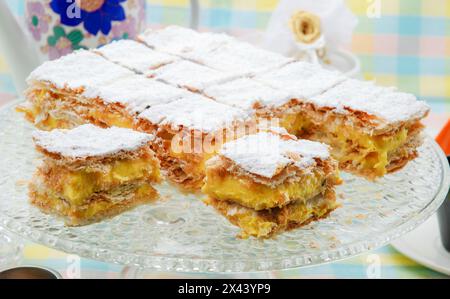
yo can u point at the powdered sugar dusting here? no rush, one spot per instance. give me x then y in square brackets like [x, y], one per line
[189, 75]
[135, 56]
[386, 103]
[243, 58]
[194, 112]
[245, 93]
[267, 154]
[78, 70]
[135, 92]
[226, 64]
[182, 41]
[90, 141]
[304, 80]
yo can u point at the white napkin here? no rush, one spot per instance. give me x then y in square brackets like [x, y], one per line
[337, 22]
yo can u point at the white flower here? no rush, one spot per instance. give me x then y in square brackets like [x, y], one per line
[337, 24]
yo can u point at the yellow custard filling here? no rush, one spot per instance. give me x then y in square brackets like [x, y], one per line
[192, 157]
[299, 212]
[257, 196]
[111, 119]
[77, 186]
[264, 224]
[49, 122]
[253, 226]
[294, 123]
[369, 154]
[195, 167]
[80, 214]
[30, 112]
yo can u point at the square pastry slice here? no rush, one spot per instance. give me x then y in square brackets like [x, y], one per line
[302, 79]
[250, 95]
[372, 130]
[190, 75]
[190, 131]
[89, 173]
[182, 41]
[118, 103]
[135, 56]
[218, 51]
[55, 86]
[84, 87]
[240, 57]
[270, 182]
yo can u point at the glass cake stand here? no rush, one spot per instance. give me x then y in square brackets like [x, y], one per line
[181, 234]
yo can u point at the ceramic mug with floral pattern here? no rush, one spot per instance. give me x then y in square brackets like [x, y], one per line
[62, 26]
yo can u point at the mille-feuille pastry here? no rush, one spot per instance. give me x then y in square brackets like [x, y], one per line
[249, 95]
[303, 79]
[372, 130]
[135, 56]
[215, 50]
[189, 75]
[189, 132]
[89, 173]
[266, 183]
[84, 87]
[182, 42]
[368, 135]
[54, 88]
[240, 57]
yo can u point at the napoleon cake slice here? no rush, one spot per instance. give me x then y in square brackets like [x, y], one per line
[190, 131]
[258, 99]
[135, 56]
[84, 87]
[118, 103]
[89, 173]
[182, 42]
[268, 182]
[215, 50]
[372, 130]
[190, 75]
[302, 79]
[55, 87]
[254, 97]
[240, 57]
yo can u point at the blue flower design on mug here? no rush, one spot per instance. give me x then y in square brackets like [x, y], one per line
[96, 15]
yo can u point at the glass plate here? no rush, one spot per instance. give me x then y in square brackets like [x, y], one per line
[180, 233]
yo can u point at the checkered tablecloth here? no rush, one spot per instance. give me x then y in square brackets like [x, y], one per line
[383, 263]
[407, 46]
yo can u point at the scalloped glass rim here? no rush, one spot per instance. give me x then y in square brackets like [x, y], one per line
[192, 263]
